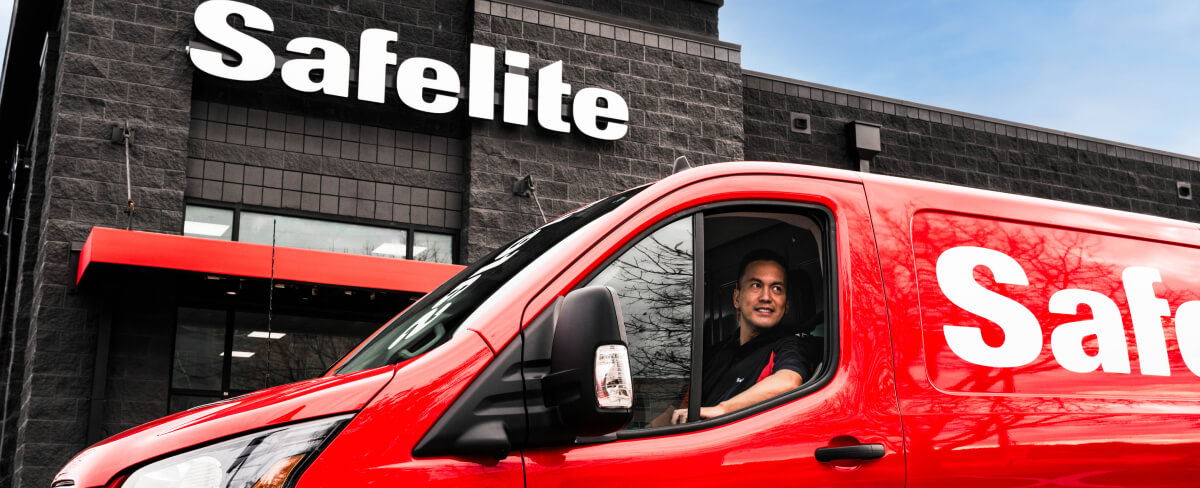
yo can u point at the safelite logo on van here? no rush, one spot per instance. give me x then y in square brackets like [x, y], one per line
[1039, 305]
[596, 112]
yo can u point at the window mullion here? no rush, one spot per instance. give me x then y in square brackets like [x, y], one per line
[227, 364]
[237, 224]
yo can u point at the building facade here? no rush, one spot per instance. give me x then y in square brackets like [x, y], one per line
[193, 215]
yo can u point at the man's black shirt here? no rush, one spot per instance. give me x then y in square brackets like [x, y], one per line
[730, 368]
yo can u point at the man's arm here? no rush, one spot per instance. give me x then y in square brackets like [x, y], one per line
[780, 382]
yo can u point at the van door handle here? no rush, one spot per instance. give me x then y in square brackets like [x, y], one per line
[861, 451]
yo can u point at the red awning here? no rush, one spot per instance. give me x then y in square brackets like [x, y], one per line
[114, 246]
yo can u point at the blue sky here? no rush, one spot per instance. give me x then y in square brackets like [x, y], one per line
[1120, 70]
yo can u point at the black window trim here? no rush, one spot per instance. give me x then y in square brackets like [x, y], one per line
[828, 226]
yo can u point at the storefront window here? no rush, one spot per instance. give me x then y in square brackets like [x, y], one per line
[199, 349]
[322, 235]
[435, 248]
[316, 234]
[208, 222]
[291, 348]
[221, 353]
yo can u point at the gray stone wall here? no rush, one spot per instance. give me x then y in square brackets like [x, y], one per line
[938, 144]
[684, 96]
[18, 298]
[120, 62]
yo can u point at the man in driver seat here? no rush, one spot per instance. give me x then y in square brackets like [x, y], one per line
[761, 361]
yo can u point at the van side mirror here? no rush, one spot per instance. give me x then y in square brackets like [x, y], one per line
[589, 379]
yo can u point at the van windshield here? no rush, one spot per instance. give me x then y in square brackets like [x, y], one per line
[432, 320]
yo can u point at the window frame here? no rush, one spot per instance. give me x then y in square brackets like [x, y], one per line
[410, 229]
[827, 222]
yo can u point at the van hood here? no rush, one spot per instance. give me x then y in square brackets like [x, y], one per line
[319, 397]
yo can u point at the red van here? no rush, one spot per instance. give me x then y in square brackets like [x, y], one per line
[952, 336]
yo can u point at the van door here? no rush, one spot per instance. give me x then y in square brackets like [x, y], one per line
[841, 426]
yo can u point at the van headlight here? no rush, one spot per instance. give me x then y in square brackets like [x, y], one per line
[265, 459]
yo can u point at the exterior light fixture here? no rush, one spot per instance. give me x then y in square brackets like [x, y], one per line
[800, 123]
[865, 137]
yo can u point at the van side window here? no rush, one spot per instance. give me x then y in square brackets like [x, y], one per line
[762, 328]
[654, 282]
[765, 299]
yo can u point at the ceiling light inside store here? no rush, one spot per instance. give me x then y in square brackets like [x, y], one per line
[391, 249]
[193, 228]
[258, 334]
[240, 354]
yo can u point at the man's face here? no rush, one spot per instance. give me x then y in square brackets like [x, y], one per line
[761, 295]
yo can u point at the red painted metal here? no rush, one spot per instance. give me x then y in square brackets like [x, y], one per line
[318, 397]
[114, 246]
[376, 448]
[942, 420]
[775, 447]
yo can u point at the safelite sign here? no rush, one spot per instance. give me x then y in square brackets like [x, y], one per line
[596, 112]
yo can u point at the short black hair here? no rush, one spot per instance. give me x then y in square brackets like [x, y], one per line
[759, 255]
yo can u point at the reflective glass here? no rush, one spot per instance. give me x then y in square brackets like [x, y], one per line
[199, 349]
[293, 348]
[208, 222]
[322, 235]
[435, 248]
[654, 282]
[432, 320]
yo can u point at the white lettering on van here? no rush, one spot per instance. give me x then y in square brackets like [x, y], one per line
[596, 112]
[1066, 342]
[1022, 334]
[1147, 311]
[1023, 342]
[1187, 332]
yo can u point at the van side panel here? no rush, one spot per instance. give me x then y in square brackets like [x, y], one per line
[1037, 342]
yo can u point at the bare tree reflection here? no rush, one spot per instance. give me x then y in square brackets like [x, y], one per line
[654, 283]
[294, 357]
[1053, 259]
[656, 289]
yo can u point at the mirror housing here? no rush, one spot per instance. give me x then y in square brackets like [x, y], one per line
[589, 333]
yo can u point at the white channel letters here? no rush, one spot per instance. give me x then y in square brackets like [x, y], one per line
[596, 112]
[1023, 334]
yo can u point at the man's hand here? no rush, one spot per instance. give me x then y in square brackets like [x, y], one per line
[680, 415]
[780, 382]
